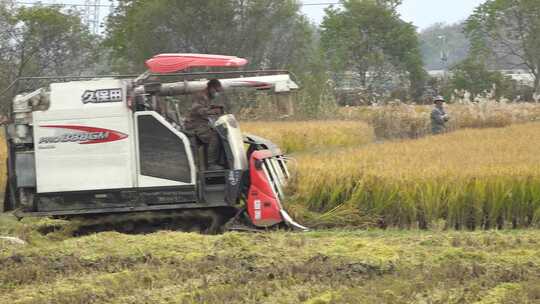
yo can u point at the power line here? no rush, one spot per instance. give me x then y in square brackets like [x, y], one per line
[108, 6]
[321, 3]
[61, 4]
[90, 10]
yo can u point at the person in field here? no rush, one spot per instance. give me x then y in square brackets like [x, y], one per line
[198, 123]
[439, 117]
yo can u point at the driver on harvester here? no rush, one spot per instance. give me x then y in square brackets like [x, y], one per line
[198, 123]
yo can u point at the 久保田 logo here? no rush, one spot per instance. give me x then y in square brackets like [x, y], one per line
[101, 96]
[82, 134]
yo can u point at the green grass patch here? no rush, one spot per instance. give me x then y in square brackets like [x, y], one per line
[329, 266]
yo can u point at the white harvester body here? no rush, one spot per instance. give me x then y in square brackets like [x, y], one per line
[87, 140]
[100, 146]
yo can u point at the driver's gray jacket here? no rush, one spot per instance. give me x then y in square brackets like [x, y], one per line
[197, 122]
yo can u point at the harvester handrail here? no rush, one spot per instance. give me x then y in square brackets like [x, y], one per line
[184, 75]
[239, 73]
[216, 74]
[225, 73]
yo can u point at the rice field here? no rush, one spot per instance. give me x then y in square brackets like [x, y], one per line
[399, 120]
[468, 179]
[3, 169]
[302, 136]
[420, 191]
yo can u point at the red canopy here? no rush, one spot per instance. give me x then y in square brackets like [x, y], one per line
[170, 63]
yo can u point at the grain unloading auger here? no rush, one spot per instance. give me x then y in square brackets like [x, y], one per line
[103, 148]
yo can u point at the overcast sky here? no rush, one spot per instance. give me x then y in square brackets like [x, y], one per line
[421, 13]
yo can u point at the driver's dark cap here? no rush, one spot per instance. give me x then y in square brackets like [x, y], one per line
[214, 83]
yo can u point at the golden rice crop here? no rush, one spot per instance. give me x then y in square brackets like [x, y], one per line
[3, 169]
[469, 179]
[296, 136]
[400, 120]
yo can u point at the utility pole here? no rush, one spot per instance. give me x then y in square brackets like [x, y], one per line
[91, 15]
[444, 53]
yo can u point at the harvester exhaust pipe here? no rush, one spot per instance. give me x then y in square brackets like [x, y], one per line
[279, 83]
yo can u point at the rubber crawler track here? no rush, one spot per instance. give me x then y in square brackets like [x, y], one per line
[206, 221]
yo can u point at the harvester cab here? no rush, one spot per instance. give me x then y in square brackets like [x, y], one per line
[101, 146]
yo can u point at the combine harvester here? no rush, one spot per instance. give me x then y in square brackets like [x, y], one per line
[100, 150]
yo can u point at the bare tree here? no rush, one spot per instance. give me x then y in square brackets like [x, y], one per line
[42, 41]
